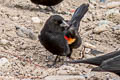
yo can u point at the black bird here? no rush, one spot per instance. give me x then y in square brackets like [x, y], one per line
[97, 60]
[60, 39]
[108, 62]
[111, 65]
[52, 36]
[48, 3]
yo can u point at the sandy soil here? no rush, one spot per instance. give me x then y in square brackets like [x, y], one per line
[27, 59]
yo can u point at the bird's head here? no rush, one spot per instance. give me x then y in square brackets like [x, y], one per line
[58, 23]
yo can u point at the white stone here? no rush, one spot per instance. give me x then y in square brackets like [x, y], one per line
[65, 77]
[112, 11]
[113, 4]
[102, 22]
[36, 20]
[64, 67]
[3, 61]
[101, 28]
[4, 42]
[15, 18]
[62, 72]
[88, 45]
[24, 32]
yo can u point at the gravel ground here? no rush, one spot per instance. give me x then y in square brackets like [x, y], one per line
[22, 57]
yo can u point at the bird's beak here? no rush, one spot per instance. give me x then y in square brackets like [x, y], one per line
[64, 24]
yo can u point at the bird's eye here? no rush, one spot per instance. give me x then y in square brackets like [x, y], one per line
[59, 21]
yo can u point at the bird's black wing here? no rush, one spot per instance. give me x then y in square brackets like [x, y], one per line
[57, 42]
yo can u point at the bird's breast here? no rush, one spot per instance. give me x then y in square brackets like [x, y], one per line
[70, 40]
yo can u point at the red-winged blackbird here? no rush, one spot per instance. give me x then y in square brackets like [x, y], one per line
[48, 3]
[60, 39]
[52, 36]
[108, 62]
[111, 65]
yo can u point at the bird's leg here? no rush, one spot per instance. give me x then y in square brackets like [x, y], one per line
[83, 53]
[59, 59]
[50, 8]
[50, 65]
[66, 59]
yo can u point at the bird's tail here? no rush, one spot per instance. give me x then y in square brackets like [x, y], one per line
[79, 14]
[97, 60]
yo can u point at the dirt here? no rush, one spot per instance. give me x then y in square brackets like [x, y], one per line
[27, 59]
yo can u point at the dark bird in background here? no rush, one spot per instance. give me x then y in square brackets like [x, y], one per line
[111, 65]
[108, 62]
[97, 60]
[59, 36]
[48, 3]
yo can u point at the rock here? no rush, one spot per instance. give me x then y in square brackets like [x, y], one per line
[64, 67]
[96, 52]
[4, 42]
[87, 50]
[101, 22]
[100, 29]
[93, 2]
[5, 1]
[88, 45]
[92, 6]
[8, 78]
[116, 29]
[62, 72]
[117, 32]
[112, 11]
[3, 61]
[26, 79]
[24, 32]
[36, 20]
[68, 70]
[15, 18]
[65, 77]
[113, 4]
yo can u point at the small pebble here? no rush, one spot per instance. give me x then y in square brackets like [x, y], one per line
[36, 20]
[65, 77]
[24, 32]
[4, 42]
[112, 11]
[113, 4]
[117, 27]
[100, 29]
[88, 45]
[101, 22]
[3, 61]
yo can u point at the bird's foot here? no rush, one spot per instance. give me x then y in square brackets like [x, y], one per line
[51, 9]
